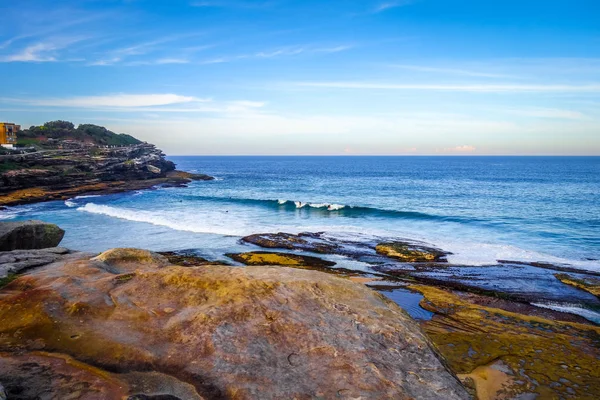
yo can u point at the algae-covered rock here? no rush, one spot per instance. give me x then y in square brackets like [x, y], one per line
[410, 252]
[508, 355]
[284, 259]
[226, 332]
[188, 259]
[29, 235]
[589, 284]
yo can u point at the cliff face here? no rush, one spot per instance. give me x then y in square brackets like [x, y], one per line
[61, 173]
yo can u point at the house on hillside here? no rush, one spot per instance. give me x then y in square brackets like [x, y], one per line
[8, 134]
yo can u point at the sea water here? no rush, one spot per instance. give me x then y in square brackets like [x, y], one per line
[481, 209]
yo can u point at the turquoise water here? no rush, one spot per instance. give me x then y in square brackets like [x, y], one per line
[480, 208]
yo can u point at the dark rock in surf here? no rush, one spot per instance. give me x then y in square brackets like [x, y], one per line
[304, 241]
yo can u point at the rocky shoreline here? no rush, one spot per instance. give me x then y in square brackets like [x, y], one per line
[134, 324]
[59, 174]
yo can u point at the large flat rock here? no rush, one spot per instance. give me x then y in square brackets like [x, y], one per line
[231, 333]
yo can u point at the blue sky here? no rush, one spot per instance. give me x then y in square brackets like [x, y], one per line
[311, 77]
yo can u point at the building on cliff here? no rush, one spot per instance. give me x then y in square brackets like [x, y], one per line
[8, 134]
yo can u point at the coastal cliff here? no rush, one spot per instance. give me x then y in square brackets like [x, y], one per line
[67, 162]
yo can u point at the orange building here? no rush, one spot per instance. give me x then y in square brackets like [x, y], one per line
[8, 134]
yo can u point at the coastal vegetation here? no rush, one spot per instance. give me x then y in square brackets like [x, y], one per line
[52, 133]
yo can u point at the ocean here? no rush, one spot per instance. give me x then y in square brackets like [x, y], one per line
[481, 209]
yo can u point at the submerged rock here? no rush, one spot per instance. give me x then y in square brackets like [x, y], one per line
[29, 235]
[225, 332]
[513, 356]
[411, 252]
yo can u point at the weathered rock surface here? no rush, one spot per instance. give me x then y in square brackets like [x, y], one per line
[227, 332]
[410, 252]
[60, 174]
[29, 235]
[16, 261]
[513, 356]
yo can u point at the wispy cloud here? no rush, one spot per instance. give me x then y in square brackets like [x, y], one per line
[391, 4]
[125, 54]
[40, 52]
[280, 52]
[482, 88]
[116, 100]
[234, 4]
[452, 71]
[552, 113]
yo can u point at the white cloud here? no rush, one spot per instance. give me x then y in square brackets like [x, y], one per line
[117, 101]
[460, 149]
[482, 88]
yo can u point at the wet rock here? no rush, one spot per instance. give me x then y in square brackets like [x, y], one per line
[3, 395]
[283, 259]
[304, 241]
[29, 235]
[589, 284]
[524, 353]
[411, 252]
[243, 333]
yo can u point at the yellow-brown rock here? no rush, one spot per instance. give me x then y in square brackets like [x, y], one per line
[588, 284]
[408, 252]
[507, 355]
[226, 332]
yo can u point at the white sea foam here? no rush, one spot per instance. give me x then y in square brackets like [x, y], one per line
[69, 203]
[88, 196]
[281, 201]
[571, 309]
[228, 226]
[327, 206]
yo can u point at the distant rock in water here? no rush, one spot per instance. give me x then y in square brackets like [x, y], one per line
[410, 252]
[25, 235]
[127, 325]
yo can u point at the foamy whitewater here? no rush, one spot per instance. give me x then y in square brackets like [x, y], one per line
[481, 209]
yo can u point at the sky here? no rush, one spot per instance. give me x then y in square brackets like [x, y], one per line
[341, 77]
